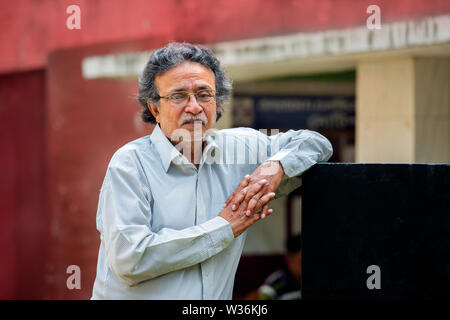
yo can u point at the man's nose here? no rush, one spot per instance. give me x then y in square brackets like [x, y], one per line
[192, 106]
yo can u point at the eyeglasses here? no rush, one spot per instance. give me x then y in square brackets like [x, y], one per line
[181, 98]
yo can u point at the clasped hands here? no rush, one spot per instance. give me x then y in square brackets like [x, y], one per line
[253, 193]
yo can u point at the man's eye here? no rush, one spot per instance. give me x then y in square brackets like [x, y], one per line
[203, 95]
[178, 96]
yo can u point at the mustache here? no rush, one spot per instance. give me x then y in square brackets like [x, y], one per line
[190, 118]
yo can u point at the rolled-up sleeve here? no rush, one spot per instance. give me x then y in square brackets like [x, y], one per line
[297, 151]
[300, 150]
[133, 251]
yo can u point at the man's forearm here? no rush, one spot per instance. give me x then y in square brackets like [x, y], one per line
[136, 254]
[297, 152]
[305, 148]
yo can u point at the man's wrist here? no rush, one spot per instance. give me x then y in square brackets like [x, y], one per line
[275, 166]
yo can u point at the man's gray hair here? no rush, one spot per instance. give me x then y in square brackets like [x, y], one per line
[171, 56]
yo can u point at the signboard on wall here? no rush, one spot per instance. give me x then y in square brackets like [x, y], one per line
[294, 112]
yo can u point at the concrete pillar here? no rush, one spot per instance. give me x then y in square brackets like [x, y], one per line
[403, 110]
[432, 116]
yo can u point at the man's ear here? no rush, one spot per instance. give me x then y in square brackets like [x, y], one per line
[154, 110]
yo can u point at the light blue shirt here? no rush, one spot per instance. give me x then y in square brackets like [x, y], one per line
[161, 236]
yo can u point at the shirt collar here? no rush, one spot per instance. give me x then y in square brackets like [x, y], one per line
[168, 153]
[211, 149]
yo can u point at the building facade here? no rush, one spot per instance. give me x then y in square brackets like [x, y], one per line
[373, 76]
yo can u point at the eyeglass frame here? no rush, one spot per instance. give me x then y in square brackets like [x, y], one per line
[189, 94]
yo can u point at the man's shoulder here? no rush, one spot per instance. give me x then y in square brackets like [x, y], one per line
[239, 132]
[130, 150]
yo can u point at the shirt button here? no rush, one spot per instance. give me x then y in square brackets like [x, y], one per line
[206, 273]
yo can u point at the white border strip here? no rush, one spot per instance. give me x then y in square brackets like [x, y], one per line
[394, 36]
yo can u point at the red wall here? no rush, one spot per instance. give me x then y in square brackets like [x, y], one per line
[87, 121]
[58, 130]
[23, 226]
[57, 134]
[29, 30]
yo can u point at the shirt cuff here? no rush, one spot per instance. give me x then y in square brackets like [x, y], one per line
[279, 155]
[219, 233]
[289, 162]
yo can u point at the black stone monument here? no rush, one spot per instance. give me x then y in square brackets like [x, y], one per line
[376, 231]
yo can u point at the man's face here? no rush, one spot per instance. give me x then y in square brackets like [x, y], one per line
[189, 77]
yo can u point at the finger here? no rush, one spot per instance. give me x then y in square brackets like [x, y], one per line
[266, 211]
[254, 189]
[244, 183]
[255, 202]
[265, 200]
[255, 217]
[237, 200]
[227, 202]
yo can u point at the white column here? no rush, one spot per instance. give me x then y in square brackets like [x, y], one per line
[403, 110]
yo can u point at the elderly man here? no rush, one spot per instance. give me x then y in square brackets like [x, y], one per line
[173, 224]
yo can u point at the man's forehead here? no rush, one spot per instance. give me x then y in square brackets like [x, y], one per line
[188, 75]
[186, 87]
